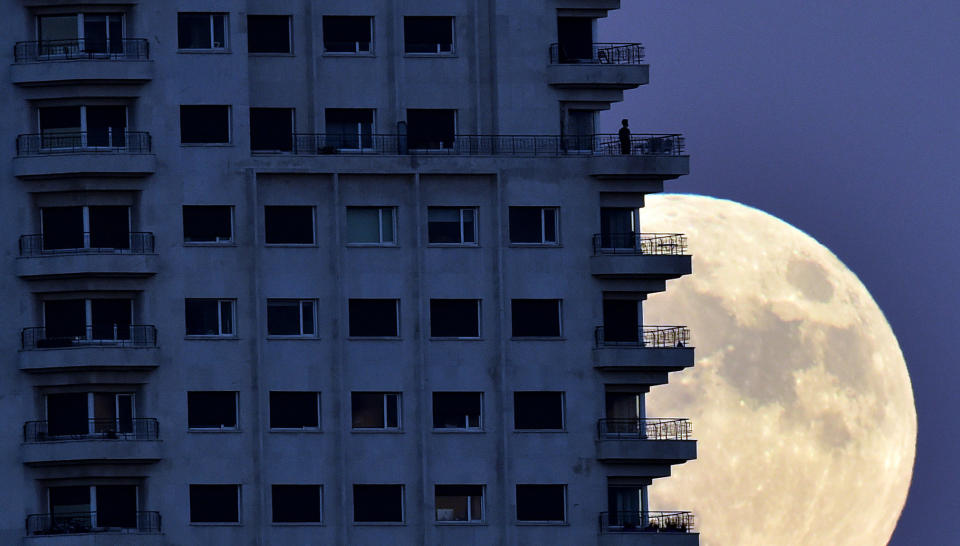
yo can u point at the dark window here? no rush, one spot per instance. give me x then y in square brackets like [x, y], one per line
[290, 318]
[349, 128]
[377, 503]
[62, 227]
[428, 35]
[458, 410]
[208, 124]
[209, 317]
[294, 409]
[201, 30]
[109, 226]
[207, 223]
[374, 318]
[538, 410]
[371, 226]
[455, 318]
[541, 503]
[431, 129]
[535, 318]
[575, 39]
[214, 503]
[288, 225]
[452, 225]
[375, 409]
[117, 506]
[271, 129]
[268, 34]
[111, 318]
[618, 227]
[65, 320]
[621, 321]
[297, 503]
[212, 409]
[458, 502]
[67, 414]
[347, 34]
[533, 225]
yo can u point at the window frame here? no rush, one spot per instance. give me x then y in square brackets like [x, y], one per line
[461, 210]
[300, 304]
[221, 334]
[469, 520]
[566, 508]
[318, 428]
[563, 412]
[225, 48]
[319, 522]
[236, 411]
[357, 52]
[481, 418]
[232, 241]
[214, 523]
[289, 53]
[385, 396]
[438, 53]
[381, 243]
[228, 142]
[543, 227]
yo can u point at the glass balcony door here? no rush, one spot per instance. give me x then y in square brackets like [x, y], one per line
[80, 228]
[85, 415]
[79, 127]
[103, 33]
[618, 227]
[575, 39]
[625, 506]
[621, 321]
[80, 35]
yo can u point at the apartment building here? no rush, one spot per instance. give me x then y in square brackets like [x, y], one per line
[341, 272]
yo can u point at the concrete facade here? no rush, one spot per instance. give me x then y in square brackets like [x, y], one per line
[501, 80]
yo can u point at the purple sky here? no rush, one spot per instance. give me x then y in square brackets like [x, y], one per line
[843, 119]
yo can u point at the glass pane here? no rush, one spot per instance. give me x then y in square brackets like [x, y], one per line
[226, 317]
[193, 31]
[469, 226]
[386, 219]
[476, 508]
[393, 410]
[283, 318]
[307, 313]
[443, 225]
[451, 508]
[95, 33]
[549, 225]
[367, 409]
[219, 31]
[58, 28]
[363, 225]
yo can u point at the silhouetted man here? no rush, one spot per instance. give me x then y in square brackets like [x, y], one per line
[624, 138]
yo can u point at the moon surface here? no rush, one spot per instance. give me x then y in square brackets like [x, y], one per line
[800, 398]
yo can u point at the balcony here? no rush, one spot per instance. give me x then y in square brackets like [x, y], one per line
[68, 525]
[659, 256]
[108, 347]
[44, 256]
[648, 528]
[78, 61]
[648, 353]
[97, 440]
[663, 441]
[51, 155]
[602, 66]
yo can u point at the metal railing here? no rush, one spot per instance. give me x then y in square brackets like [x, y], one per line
[107, 335]
[71, 523]
[654, 244]
[669, 428]
[121, 49]
[653, 337]
[637, 521]
[600, 53]
[488, 145]
[47, 245]
[107, 141]
[139, 428]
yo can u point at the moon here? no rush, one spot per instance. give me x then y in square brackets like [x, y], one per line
[800, 398]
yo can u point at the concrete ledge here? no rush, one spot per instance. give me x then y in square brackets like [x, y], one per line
[74, 71]
[648, 539]
[640, 266]
[91, 452]
[89, 358]
[87, 264]
[646, 451]
[669, 359]
[634, 167]
[97, 539]
[84, 164]
[617, 76]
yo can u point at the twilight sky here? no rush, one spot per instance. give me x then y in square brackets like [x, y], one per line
[843, 119]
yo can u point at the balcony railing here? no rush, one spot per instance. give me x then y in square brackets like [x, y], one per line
[636, 521]
[653, 244]
[488, 145]
[107, 335]
[645, 429]
[108, 141]
[96, 429]
[654, 337]
[82, 243]
[92, 522]
[126, 49]
[602, 53]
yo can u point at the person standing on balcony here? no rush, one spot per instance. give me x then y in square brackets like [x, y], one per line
[625, 137]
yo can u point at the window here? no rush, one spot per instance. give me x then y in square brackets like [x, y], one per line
[374, 318]
[452, 226]
[575, 39]
[216, 410]
[458, 410]
[294, 410]
[541, 502]
[297, 503]
[377, 503]
[76, 415]
[271, 129]
[214, 503]
[288, 225]
[71, 322]
[80, 35]
[349, 128]
[268, 34]
[375, 410]
[209, 317]
[87, 227]
[431, 128]
[535, 318]
[207, 124]
[431, 35]
[618, 227]
[534, 225]
[455, 318]
[202, 30]
[207, 224]
[83, 126]
[371, 226]
[538, 410]
[291, 318]
[347, 34]
[456, 503]
[89, 508]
